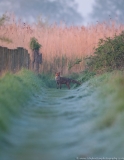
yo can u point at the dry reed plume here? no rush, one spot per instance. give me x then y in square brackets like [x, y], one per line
[61, 45]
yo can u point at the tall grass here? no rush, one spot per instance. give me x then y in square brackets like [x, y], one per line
[111, 92]
[15, 92]
[61, 45]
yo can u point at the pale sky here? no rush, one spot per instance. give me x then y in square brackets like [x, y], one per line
[85, 13]
[85, 7]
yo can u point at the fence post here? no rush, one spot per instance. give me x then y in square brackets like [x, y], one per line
[36, 60]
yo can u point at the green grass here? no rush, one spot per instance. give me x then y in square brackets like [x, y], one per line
[15, 91]
[48, 80]
[110, 87]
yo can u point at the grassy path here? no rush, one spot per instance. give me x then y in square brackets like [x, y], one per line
[65, 124]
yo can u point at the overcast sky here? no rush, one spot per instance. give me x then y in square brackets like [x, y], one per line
[72, 12]
[85, 8]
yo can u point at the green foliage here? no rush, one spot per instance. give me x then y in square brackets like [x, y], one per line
[73, 63]
[48, 80]
[15, 91]
[112, 92]
[3, 19]
[86, 75]
[34, 45]
[109, 55]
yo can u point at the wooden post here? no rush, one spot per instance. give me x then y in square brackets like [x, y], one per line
[37, 59]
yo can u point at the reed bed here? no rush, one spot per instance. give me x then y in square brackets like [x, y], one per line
[61, 45]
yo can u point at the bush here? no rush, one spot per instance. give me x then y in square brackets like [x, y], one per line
[34, 45]
[109, 55]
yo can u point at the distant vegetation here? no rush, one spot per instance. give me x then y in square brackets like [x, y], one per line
[3, 19]
[63, 48]
[108, 56]
[93, 49]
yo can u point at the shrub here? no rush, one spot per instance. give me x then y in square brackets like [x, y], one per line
[73, 63]
[109, 55]
[34, 45]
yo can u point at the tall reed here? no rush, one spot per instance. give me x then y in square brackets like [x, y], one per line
[61, 45]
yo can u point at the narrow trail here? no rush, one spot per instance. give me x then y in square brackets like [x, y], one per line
[58, 124]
